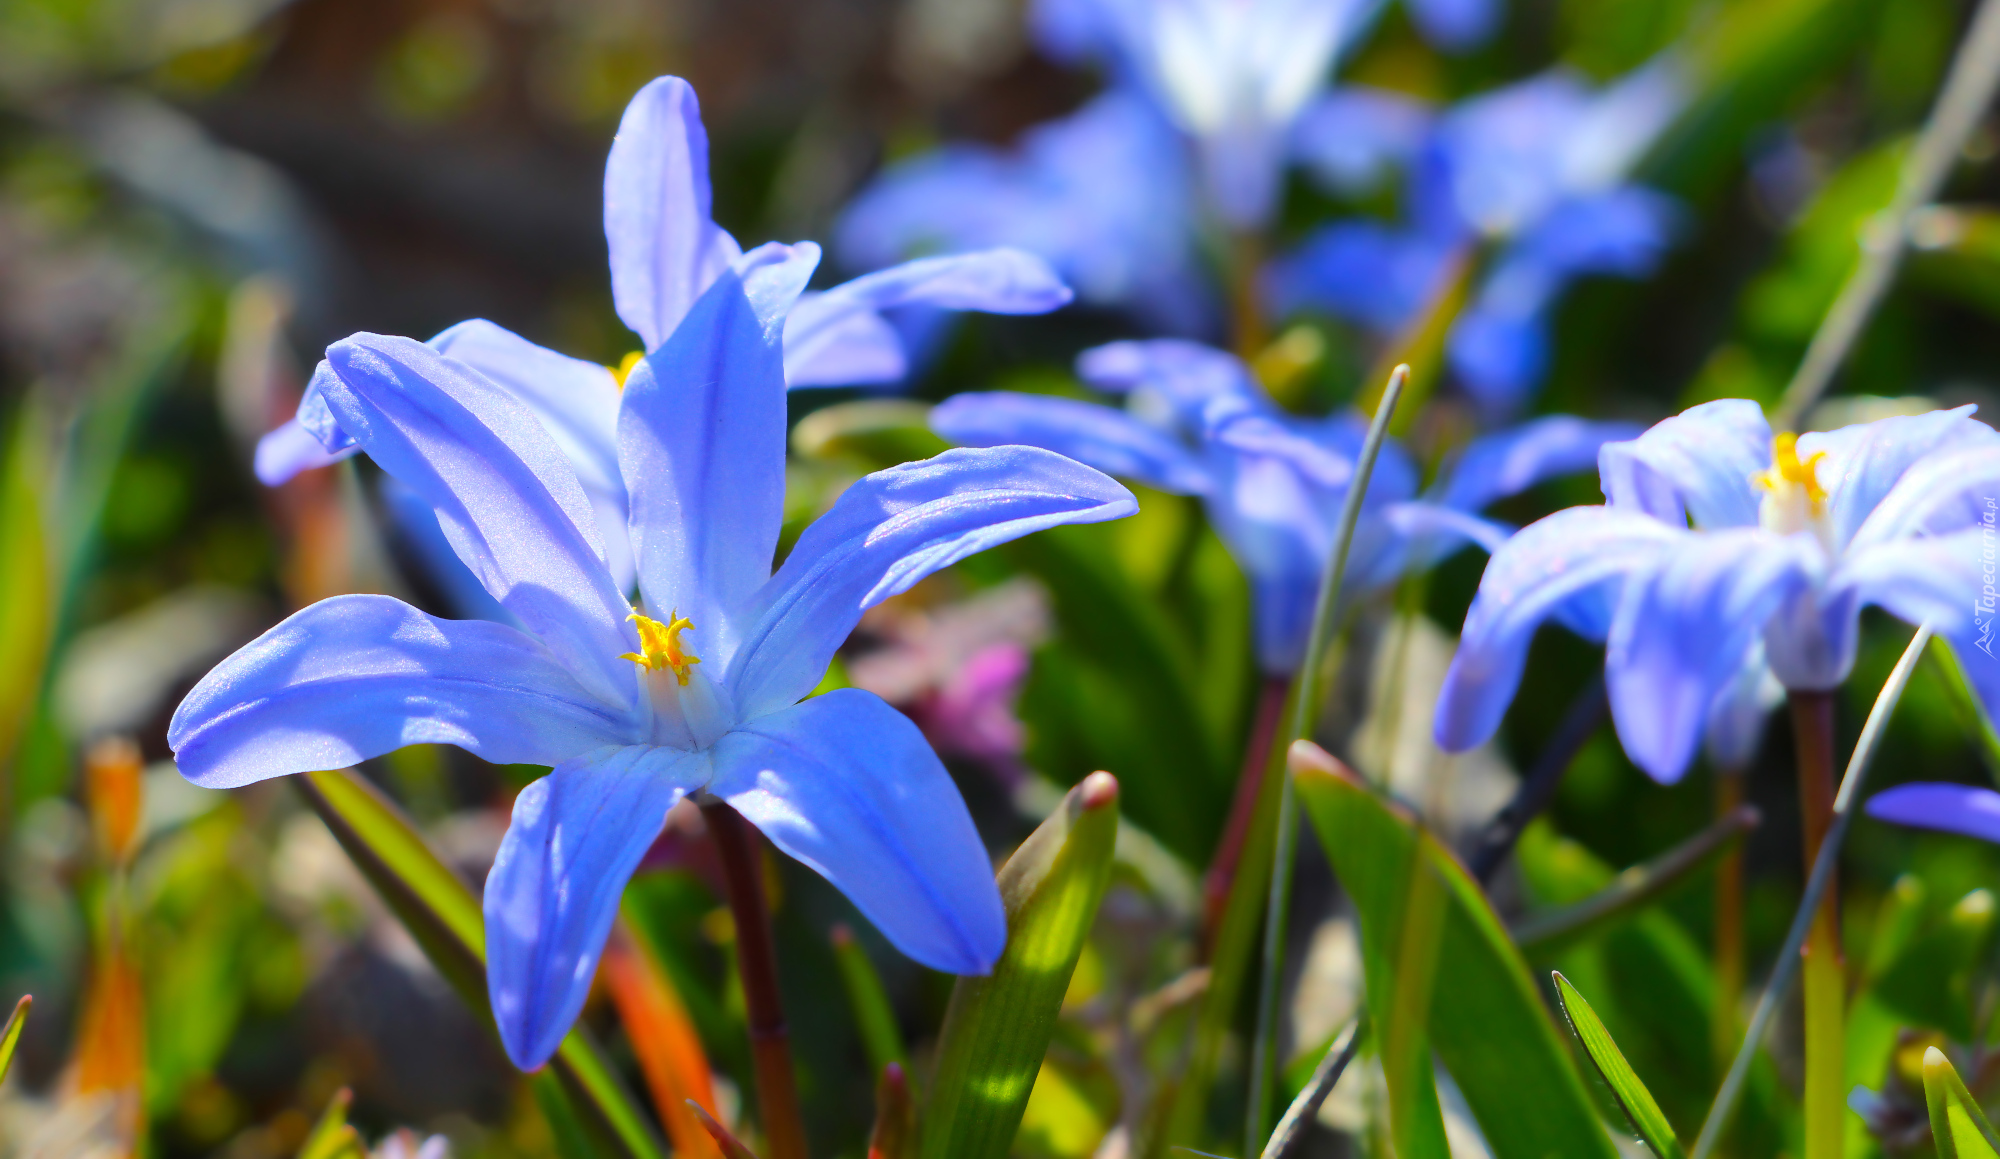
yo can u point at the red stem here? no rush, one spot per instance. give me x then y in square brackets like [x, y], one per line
[757, 965]
[1256, 765]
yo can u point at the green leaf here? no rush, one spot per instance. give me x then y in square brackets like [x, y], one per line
[1933, 982]
[997, 1028]
[870, 433]
[333, 1137]
[1123, 687]
[442, 914]
[1488, 1023]
[1633, 1097]
[872, 1012]
[10, 1035]
[1958, 1127]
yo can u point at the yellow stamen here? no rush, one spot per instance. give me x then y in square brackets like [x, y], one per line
[1789, 471]
[661, 646]
[623, 370]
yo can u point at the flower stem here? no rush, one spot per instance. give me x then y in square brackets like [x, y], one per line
[1215, 885]
[1725, 1030]
[1305, 709]
[1825, 981]
[757, 965]
[1246, 307]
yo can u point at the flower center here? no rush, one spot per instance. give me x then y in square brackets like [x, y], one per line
[626, 365]
[660, 646]
[1793, 498]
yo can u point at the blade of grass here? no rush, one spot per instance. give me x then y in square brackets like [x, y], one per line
[443, 916]
[1635, 888]
[876, 1019]
[1305, 706]
[10, 1035]
[1958, 1127]
[1633, 1097]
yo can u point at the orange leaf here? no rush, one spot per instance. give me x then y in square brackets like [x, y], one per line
[663, 1038]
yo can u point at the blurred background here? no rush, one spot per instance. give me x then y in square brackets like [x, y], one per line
[196, 196]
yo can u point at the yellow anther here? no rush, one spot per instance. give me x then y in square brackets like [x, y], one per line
[623, 370]
[1788, 471]
[661, 646]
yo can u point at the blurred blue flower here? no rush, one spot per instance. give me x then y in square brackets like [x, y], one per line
[1208, 101]
[1963, 809]
[666, 250]
[1195, 423]
[1102, 194]
[1534, 171]
[700, 694]
[1716, 539]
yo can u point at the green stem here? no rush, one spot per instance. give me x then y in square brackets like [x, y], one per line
[1825, 981]
[1305, 706]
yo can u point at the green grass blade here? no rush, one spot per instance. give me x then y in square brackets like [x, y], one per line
[10, 1035]
[1635, 888]
[333, 1137]
[997, 1028]
[1959, 1128]
[880, 1035]
[1633, 1097]
[442, 914]
[1488, 1023]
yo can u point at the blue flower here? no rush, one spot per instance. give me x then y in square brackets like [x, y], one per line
[1103, 194]
[1208, 101]
[1195, 423]
[1536, 171]
[1962, 809]
[1717, 538]
[701, 692]
[1233, 75]
[666, 250]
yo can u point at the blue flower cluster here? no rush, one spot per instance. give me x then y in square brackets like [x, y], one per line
[614, 530]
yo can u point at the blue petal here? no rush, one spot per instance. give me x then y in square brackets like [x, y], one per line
[841, 347]
[505, 495]
[1696, 465]
[1682, 634]
[1499, 355]
[575, 838]
[848, 786]
[576, 401]
[420, 541]
[1455, 25]
[289, 449]
[665, 250]
[1508, 462]
[1737, 718]
[1425, 533]
[1109, 440]
[996, 281]
[1169, 375]
[1352, 137]
[891, 529]
[1362, 270]
[1279, 529]
[701, 440]
[1961, 809]
[838, 338]
[1250, 429]
[1935, 580]
[354, 677]
[1621, 231]
[1904, 474]
[1570, 555]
